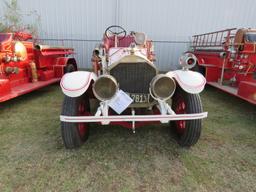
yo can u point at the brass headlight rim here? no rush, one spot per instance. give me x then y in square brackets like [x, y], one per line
[95, 92]
[153, 82]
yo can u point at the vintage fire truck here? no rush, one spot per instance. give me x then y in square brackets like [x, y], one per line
[26, 66]
[126, 88]
[227, 59]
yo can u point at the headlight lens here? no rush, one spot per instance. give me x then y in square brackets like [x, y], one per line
[20, 50]
[162, 87]
[188, 60]
[105, 87]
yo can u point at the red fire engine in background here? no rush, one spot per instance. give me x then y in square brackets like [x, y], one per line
[26, 66]
[227, 58]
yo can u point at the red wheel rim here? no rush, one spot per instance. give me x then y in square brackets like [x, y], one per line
[180, 108]
[82, 127]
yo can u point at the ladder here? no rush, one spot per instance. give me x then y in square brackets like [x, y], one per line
[221, 39]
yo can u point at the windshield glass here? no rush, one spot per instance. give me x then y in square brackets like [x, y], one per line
[4, 37]
[250, 37]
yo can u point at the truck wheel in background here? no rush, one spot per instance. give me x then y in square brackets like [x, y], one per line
[70, 68]
[187, 132]
[75, 134]
[199, 69]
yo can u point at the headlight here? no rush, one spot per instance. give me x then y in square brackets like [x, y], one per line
[162, 87]
[188, 60]
[20, 50]
[105, 87]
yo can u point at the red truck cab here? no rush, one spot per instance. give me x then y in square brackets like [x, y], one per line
[26, 66]
[227, 58]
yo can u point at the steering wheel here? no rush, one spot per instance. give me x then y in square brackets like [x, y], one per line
[115, 30]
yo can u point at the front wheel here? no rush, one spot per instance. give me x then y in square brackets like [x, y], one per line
[70, 68]
[188, 131]
[75, 134]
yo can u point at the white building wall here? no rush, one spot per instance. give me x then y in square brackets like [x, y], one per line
[170, 23]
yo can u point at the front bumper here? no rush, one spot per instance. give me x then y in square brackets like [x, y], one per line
[132, 118]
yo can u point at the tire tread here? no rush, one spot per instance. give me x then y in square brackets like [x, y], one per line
[193, 127]
[69, 131]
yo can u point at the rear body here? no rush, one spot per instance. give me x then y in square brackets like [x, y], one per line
[26, 66]
[227, 59]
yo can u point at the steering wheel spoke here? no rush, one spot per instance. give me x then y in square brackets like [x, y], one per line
[121, 32]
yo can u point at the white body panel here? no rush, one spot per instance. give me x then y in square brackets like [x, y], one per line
[117, 53]
[189, 81]
[76, 83]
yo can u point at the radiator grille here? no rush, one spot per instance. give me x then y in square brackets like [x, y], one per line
[134, 77]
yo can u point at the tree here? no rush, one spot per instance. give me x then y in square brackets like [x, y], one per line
[13, 17]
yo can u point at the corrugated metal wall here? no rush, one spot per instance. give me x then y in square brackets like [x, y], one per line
[169, 23]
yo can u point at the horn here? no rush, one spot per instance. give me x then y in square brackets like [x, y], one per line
[105, 87]
[162, 87]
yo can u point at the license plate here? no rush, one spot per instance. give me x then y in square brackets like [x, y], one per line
[140, 97]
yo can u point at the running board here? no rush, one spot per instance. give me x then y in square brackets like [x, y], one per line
[132, 118]
[26, 88]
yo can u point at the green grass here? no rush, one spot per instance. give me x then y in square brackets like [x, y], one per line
[32, 156]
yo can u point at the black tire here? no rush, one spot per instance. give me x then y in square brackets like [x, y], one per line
[70, 68]
[199, 69]
[71, 133]
[189, 133]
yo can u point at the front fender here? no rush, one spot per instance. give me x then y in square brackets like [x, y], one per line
[76, 83]
[190, 81]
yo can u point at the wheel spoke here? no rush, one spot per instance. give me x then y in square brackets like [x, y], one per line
[82, 127]
[180, 109]
[183, 106]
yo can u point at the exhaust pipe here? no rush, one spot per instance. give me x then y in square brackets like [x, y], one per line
[105, 87]
[188, 60]
[162, 87]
